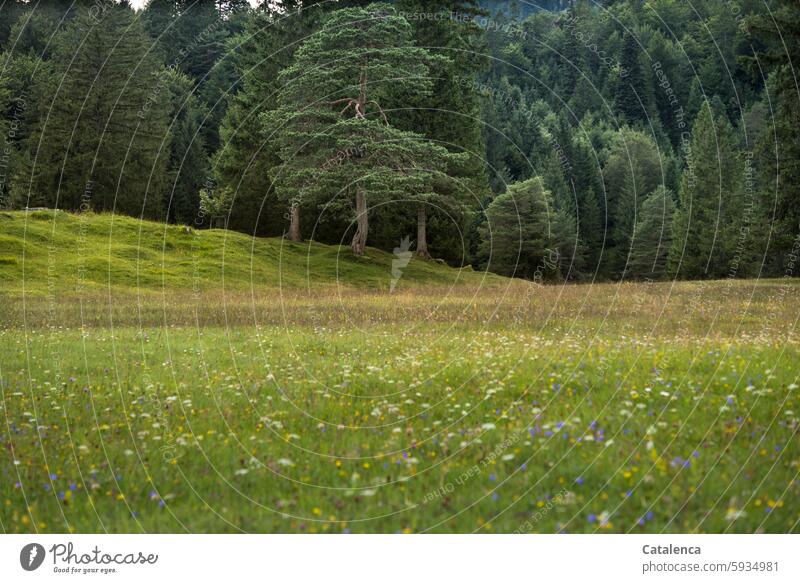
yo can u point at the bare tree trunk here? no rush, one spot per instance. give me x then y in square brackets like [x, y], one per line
[422, 233]
[294, 224]
[362, 224]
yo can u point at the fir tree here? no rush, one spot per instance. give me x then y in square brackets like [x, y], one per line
[450, 113]
[585, 184]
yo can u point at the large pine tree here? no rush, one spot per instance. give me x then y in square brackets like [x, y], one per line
[332, 125]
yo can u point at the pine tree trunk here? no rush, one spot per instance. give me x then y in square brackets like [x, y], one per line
[422, 234]
[294, 224]
[362, 225]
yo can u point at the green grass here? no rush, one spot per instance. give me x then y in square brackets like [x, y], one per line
[340, 407]
[53, 251]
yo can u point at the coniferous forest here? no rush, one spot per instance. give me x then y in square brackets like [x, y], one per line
[571, 141]
[440, 266]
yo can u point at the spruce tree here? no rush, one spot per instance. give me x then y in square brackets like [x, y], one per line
[585, 184]
[521, 236]
[633, 170]
[188, 161]
[572, 57]
[652, 236]
[572, 259]
[104, 119]
[191, 36]
[779, 149]
[6, 108]
[631, 98]
[708, 220]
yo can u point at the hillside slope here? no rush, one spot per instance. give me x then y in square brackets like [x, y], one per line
[65, 253]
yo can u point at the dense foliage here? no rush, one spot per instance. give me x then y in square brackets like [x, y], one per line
[580, 140]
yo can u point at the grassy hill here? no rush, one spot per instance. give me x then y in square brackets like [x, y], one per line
[68, 253]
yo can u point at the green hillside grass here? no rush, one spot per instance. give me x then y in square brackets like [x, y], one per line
[55, 251]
